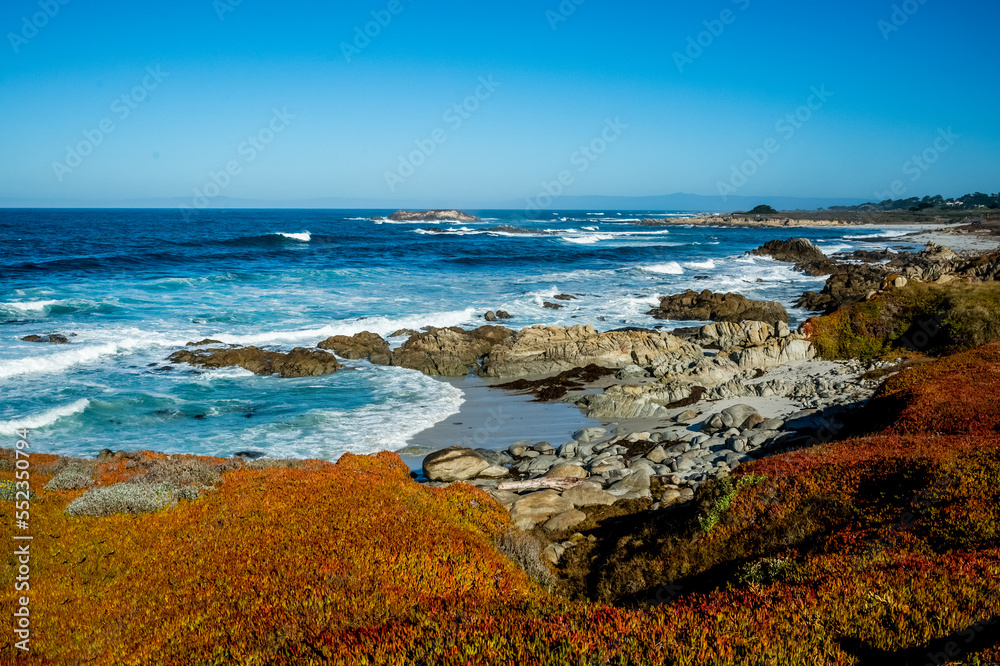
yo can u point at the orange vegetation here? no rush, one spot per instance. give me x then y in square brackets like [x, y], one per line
[875, 550]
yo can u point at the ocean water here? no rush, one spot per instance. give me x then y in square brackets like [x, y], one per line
[129, 287]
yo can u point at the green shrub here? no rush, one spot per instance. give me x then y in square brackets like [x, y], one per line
[922, 318]
[728, 492]
[8, 492]
[131, 498]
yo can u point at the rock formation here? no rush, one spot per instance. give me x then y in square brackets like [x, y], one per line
[432, 215]
[708, 306]
[299, 362]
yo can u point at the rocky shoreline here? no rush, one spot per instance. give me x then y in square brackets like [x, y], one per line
[677, 409]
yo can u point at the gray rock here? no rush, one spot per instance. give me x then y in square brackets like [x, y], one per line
[657, 455]
[564, 521]
[587, 435]
[634, 486]
[606, 465]
[536, 508]
[568, 450]
[567, 470]
[543, 447]
[588, 494]
[630, 371]
[729, 418]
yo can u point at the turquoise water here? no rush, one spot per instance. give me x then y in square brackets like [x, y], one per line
[132, 286]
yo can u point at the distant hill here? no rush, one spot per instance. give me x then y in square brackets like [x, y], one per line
[681, 202]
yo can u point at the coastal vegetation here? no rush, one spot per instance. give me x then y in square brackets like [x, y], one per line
[860, 551]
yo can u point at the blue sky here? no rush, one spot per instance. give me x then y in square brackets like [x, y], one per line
[557, 78]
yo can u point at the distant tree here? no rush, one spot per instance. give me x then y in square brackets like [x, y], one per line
[763, 209]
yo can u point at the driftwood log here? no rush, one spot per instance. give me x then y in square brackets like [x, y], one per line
[554, 483]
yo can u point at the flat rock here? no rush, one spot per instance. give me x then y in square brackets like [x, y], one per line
[588, 494]
[536, 508]
[299, 362]
[564, 521]
[567, 470]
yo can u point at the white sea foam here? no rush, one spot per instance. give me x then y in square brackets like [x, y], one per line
[883, 234]
[55, 362]
[29, 306]
[381, 325]
[667, 268]
[305, 236]
[42, 419]
[408, 403]
[591, 228]
[588, 239]
[708, 264]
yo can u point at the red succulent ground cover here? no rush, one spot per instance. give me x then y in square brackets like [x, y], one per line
[881, 549]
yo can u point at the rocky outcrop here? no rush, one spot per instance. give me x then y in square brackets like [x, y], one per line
[362, 345]
[546, 350]
[724, 335]
[802, 252]
[851, 283]
[772, 354]
[449, 352]
[299, 362]
[52, 338]
[793, 250]
[708, 306]
[454, 464]
[432, 215]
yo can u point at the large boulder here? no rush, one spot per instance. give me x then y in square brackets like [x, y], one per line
[725, 334]
[454, 464]
[536, 508]
[773, 354]
[709, 306]
[449, 352]
[359, 346]
[546, 350]
[299, 362]
[564, 521]
[589, 494]
[802, 252]
[737, 416]
[51, 338]
[633, 486]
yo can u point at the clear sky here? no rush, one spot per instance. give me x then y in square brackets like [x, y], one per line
[660, 112]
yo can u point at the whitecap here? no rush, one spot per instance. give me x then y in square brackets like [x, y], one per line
[29, 306]
[667, 268]
[305, 236]
[707, 264]
[42, 419]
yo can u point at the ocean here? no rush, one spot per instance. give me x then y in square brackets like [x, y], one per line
[129, 287]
